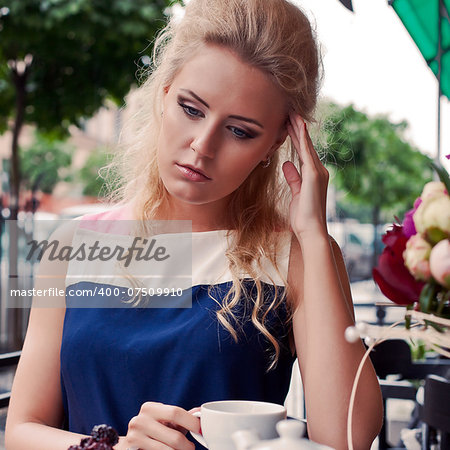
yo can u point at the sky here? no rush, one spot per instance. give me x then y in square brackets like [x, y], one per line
[371, 61]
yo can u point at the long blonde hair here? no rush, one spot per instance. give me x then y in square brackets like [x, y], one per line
[276, 37]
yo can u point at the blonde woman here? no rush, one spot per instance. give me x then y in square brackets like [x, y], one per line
[220, 139]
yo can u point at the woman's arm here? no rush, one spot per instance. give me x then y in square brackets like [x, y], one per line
[323, 310]
[328, 363]
[35, 412]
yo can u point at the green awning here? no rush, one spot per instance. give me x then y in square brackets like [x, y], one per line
[421, 19]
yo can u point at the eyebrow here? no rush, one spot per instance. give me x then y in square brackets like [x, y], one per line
[245, 119]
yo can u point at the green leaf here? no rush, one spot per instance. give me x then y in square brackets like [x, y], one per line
[96, 182]
[408, 318]
[43, 162]
[434, 235]
[79, 53]
[426, 296]
[443, 175]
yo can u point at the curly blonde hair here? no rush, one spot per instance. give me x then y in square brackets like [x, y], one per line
[276, 37]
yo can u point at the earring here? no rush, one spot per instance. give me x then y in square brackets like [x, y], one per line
[266, 163]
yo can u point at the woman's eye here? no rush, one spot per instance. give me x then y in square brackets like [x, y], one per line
[194, 113]
[190, 111]
[240, 134]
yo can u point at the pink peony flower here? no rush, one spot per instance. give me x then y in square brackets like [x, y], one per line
[440, 263]
[432, 217]
[416, 256]
[433, 189]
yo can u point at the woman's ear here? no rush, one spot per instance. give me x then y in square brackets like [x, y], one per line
[282, 135]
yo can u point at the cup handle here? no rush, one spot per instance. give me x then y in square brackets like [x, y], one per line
[197, 436]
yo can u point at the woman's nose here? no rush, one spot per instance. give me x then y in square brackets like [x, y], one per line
[205, 141]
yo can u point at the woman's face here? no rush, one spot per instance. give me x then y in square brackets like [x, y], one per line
[221, 117]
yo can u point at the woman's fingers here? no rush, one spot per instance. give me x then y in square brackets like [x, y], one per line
[295, 140]
[155, 435]
[174, 415]
[303, 143]
[193, 410]
[141, 435]
[314, 154]
[162, 426]
[292, 176]
[311, 183]
[301, 140]
[161, 432]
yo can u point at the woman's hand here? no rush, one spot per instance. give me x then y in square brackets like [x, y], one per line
[307, 210]
[160, 426]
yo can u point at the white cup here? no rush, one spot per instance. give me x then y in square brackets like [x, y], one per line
[219, 420]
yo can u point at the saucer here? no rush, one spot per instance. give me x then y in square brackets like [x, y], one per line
[198, 438]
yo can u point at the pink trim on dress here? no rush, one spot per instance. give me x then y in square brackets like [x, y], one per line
[115, 221]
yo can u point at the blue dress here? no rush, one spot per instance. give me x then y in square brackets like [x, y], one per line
[114, 358]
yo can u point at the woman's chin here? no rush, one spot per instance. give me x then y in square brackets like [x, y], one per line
[190, 198]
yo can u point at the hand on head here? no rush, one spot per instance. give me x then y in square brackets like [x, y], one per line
[308, 186]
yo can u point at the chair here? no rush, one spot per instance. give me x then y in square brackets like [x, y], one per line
[435, 412]
[392, 357]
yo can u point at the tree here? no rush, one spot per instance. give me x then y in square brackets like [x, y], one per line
[372, 162]
[45, 162]
[92, 177]
[60, 60]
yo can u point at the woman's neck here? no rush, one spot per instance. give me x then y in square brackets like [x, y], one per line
[204, 217]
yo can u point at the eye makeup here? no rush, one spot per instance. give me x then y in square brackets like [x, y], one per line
[239, 133]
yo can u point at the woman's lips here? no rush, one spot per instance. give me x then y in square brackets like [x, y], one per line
[191, 173]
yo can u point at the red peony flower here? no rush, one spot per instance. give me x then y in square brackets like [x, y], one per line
[391, 274]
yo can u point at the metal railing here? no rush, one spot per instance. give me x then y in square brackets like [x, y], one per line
[8, 360]
[380, 312]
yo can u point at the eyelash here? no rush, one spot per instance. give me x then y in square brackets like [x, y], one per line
[188, 110]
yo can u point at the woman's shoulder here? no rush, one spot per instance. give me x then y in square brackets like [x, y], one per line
[110, 212]
[113, 219]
